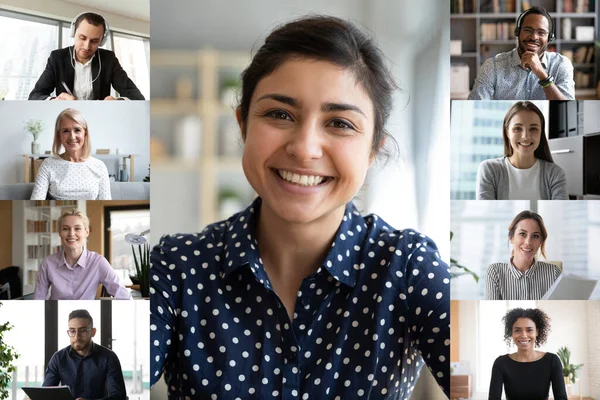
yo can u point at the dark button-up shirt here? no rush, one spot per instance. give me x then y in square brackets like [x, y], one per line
[96, 376]
[364, 323]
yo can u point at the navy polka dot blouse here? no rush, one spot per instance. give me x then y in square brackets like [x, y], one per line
[364, 323]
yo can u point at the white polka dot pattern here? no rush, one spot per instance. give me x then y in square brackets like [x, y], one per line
[65, 180]
[363, 322]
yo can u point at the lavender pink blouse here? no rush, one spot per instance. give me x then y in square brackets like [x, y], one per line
[79, 281]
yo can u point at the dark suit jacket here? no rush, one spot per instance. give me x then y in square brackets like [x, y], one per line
[60, 68]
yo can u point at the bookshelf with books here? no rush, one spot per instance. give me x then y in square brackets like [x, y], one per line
[35, 235]
[480, 29]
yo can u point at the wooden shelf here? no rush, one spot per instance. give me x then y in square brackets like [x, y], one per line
[467, 28]
[210, 66]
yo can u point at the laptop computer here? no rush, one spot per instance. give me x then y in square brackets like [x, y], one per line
[49, 393]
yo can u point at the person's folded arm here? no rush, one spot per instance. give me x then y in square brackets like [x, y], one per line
[483, 89]
[492, 288]
[115, 384]
[558, 381]
[563, 81]
[104, 183]
[558, 185]
[52, 375]
[45, 84]
[42, 283]
[485, 186]
[112, 283]
[496, 382]
[42, 183]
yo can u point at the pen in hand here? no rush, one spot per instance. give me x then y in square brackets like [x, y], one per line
[66, 88]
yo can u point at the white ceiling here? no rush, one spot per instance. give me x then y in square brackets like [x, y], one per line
[137, 9]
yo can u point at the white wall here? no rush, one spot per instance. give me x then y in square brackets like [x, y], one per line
[112, 124]
[574, 324]
[66, 11]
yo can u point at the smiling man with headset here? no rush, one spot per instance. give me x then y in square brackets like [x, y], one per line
[83, 71]
[528, 72]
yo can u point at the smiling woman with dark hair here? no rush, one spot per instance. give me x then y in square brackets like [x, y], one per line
[300, 296]
[527, 374]
[524, 277]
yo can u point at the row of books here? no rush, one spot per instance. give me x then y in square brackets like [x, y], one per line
[498, 6]
[580, 55]
[59, 203]
[578, 6]
[40, 251]
[463, 6]
[508, 6]
[497, 31]
[583, 80]
[34, 226]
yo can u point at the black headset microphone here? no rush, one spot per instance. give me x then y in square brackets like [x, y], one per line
[102, 41]
[545, 13]
[551, 34]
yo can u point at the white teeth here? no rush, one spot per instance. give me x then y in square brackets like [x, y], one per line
[301, 180]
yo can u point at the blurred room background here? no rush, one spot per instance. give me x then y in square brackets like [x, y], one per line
[478, 339]
[197, 56]
[572, 129]
[480, 29]
[118, 134]
[31, 29]
[481, 238]
[39, 329]
[29, 233]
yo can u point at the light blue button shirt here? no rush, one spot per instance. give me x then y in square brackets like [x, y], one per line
[503, 78]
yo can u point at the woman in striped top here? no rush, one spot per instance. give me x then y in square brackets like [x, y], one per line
[523, 277]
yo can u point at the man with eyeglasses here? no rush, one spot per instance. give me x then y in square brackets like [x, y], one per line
[528, 72]
[91, 371]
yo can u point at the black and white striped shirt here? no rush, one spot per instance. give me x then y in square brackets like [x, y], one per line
[505, 282]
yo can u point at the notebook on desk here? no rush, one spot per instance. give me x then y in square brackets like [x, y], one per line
[49, 393]
[571, 287]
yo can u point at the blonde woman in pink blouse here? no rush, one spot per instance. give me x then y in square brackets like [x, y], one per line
[74, 273]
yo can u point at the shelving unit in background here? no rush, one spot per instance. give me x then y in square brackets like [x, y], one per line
[189, 91]
[473, 21]
[35, 234]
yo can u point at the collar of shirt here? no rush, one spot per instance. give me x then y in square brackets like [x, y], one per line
[518, 274]
[73, 353]
[516, 59]
[242, 248]
[82, 262]
[82, 83]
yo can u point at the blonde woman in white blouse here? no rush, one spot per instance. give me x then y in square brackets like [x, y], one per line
[73, 174]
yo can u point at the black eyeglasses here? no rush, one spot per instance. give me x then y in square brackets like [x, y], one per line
[529, 31]
[81, 331]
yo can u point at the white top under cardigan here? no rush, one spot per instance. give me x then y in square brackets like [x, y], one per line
[493, 182]
[65, 180]
[524, 183]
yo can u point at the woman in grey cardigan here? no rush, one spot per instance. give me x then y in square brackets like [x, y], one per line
[524, 277]
[527, 171]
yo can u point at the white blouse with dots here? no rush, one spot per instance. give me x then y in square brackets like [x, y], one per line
[65, 180]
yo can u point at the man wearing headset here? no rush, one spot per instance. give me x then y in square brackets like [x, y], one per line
[83, 71]
[528, 72]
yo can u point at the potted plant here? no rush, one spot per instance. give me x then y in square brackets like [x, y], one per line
[570, 371]
[230, 90]
[460, 270]
[35, 127]
[142, 267]
[7, 357]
